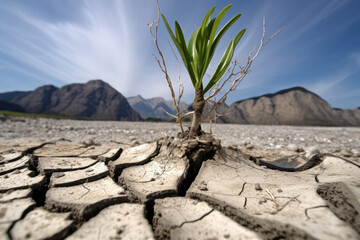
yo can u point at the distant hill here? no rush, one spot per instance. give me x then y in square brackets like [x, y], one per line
[98, 100]
[10, 107]
[293, 106]
[154, 107]
[95, 99]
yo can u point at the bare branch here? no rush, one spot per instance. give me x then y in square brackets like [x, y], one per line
[233, 77]
[171, 115]
[218, 94]
[162, 65]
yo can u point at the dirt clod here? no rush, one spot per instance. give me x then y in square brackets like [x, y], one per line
[258, 187]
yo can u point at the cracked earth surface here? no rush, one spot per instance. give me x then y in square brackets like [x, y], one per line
[175, 189]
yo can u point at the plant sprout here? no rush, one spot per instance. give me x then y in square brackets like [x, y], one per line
[198, 53]
[196, 56]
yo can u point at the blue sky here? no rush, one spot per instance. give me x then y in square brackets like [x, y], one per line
[62, 42]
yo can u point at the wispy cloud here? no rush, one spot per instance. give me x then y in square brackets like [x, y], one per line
[330, 83]
[286, 52]
[8, 66]
[65, 41]
[311, 16]
[326, 84]
[99, 46]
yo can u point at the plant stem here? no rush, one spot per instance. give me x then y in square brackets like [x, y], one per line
[198, 106]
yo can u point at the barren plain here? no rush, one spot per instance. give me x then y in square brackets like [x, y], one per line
[343, 140]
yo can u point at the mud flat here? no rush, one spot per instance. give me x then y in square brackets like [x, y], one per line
[120, 180]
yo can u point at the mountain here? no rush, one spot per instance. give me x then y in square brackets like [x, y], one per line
[12, 96]
[37, 101]
[95, 99]
[98, 100]
[293, 106]
[10, 107]
[154, 107]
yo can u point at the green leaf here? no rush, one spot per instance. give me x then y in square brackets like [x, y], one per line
[225, 61]
[199, 44]
[209, 28]
[193, 53]
[239, 36]
[206, 19]
[221, 34]
[217, 22]
[179, 33]
[221, 68]
[180, 38]
[214, 27]
[199, 51]
[183, 54]
[211, 50]
[206, 46]
[192, 42]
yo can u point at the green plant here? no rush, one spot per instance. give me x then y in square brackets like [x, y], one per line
[198, 53]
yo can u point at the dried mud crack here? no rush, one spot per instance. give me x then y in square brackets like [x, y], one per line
[173, 189]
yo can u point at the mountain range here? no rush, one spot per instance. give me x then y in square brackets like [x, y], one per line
[98, 100]
[157, 108]
[95, 100]
[293, 106]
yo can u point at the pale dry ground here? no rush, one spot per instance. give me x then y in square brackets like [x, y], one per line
[325, 139]
[111, 190]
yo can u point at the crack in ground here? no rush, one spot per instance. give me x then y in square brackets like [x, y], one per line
[317, 178]
[242, 189]
[31, 150]
[342, 158]
[26, 211]
[243, 157]
[342, 202]
[236, 169]
[164, 170]
[193, 221]
[310, 163]
[87, 191]
[116, 172]
[310, 208]
[149, 211]
[106, 160]
[266, 228]
[189, 178]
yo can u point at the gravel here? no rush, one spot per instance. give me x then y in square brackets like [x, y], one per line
[277, 138]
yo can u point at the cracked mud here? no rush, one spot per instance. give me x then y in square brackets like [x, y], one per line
[174, 189]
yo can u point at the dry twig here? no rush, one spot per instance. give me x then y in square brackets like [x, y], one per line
[162, 65]
[234, 76]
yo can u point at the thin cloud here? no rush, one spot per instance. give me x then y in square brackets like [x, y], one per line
[100, 46]
[91, 39]
[8, 66]
[282, 54]
[326, 85]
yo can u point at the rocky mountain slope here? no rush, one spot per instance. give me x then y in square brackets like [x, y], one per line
[294, 106]
[154, 107]
[10, 107]
[95, 99]
[98, 100]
